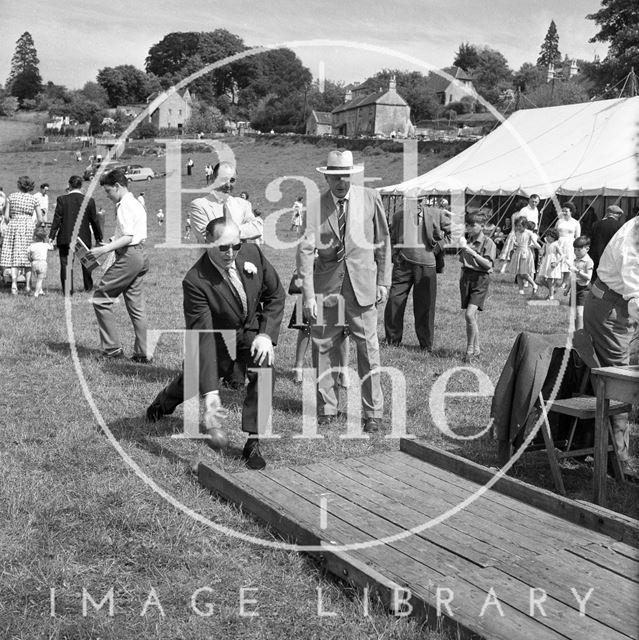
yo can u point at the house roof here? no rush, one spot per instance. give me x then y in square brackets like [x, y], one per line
[322, 117]
[183, 93]
[439, 83]
[574, 149]
[389, 98]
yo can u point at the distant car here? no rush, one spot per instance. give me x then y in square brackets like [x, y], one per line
[92, 169]
[135, 173]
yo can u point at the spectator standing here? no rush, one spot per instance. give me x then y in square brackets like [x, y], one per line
[67, 210]
[569, 230]
[602, 232]
[124, 276]
[141, 199]
[42, 197]
[582, 268]
[189, 166]
[19, 213]
[297, 218]
[38, 254]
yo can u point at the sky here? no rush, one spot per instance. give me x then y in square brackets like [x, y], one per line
[340, 40]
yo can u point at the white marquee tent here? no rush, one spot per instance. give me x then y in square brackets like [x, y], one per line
[586, 149]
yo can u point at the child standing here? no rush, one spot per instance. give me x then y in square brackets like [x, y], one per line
[160, 216]
[38, 252]
[550, 269]
[582, 267]
[521, 262]
[477, 256]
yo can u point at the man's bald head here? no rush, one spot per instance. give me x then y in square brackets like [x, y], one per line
[223, 177]
[223, 236]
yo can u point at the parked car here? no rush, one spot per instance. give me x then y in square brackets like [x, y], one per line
[136, 172]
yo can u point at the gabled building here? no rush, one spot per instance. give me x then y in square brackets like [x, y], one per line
[448, 91]
[319, 123]
[369, 112]
[174, 112]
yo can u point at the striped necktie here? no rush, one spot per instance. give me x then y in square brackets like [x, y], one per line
[341, 226]
[238, 287]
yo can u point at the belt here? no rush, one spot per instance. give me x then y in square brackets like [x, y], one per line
[602, 291]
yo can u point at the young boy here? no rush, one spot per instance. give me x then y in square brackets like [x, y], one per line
[477, 256]
[38, 251]
[582, 268]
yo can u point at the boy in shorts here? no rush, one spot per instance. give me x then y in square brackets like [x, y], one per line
[38, 252]
[477, 256]
[582, 267]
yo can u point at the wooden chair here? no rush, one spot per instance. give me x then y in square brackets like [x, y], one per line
[579, 407]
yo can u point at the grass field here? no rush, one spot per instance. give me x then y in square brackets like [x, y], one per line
[75, 516]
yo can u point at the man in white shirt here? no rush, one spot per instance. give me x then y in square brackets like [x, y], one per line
[611, 312]
[42, 197]
[530, 211]
[125, 275]
[219, 202]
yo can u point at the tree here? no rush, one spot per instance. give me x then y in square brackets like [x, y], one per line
[332, 96]
[24, 80]
[618, 22]
[467, 57]
[492, 75]
[204, 118]
[553, 94]
[125, 84]
[529, 77]
[549, 53]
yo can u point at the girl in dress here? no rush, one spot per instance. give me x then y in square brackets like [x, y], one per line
[569, 230]
[550, 269]
[522, 262]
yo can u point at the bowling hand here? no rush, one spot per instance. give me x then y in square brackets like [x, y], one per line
[214, 411]
[262, 350]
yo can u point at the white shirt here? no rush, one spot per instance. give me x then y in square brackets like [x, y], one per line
[38, 251]
[43, 203]
[531, 214]
[619, 263]
[203, 210]
[131, 219]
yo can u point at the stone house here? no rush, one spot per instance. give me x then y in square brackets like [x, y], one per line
[174, 112]
[448, 91]
[319, 123]
[370, 112]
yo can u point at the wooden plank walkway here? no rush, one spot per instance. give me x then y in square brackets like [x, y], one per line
[517, 563]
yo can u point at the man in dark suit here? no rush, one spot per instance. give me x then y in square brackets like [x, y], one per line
[233, 287]
[602, 232]
[414, 266]
[67, 209]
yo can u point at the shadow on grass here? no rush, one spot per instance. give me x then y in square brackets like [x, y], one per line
[119, 366]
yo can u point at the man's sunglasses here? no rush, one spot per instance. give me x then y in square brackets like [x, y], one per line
[225, 247]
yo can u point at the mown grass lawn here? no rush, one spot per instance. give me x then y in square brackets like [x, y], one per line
[75, 516]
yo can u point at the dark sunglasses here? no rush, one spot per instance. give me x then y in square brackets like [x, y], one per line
[225, 247]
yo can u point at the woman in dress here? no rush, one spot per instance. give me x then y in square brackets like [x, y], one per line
[18, 214]
[568, 229]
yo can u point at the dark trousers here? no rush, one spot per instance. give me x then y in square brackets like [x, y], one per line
[63, 251]
[423, 281]
[252, 422]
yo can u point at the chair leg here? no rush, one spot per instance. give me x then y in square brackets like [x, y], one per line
[612, 455]
[555, 469]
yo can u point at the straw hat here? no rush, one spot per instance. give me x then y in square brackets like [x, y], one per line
[340, 162]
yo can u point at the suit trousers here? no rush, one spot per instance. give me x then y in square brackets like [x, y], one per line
[252, 422]
[327, 350]
[123, 277]
[423, 281]
[63, 251]
[608, 325]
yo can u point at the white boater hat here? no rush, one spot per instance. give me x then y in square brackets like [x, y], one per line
[339, 162]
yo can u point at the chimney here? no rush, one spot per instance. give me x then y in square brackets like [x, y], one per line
[392, 84]
[573, 69]
[348, 96]
[551, 72]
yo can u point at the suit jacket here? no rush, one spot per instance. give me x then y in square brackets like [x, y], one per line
[367, 247]
[432, 230]
[602, 232]
[66, 213]
[210, 303]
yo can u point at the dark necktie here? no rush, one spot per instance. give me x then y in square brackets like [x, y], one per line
[341, 226]
[237, 285]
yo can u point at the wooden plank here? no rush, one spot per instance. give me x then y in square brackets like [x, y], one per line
[259, 497]
[512, 513]
[609, 559]
[396, 490]
[605, 521]
[614, 600]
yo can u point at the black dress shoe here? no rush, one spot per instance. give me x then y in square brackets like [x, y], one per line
[252, 456]
[327, 419]
[371, 425]
[154, 412]
[138, 357]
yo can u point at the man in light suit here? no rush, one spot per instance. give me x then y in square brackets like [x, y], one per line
[347, 229]
[232, 286]
[67, 209]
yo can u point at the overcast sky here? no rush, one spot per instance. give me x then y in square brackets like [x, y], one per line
[76, 38]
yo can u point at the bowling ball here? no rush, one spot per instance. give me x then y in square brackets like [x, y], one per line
[217, 438]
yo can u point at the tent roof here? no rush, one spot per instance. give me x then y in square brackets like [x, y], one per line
[578, 149]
